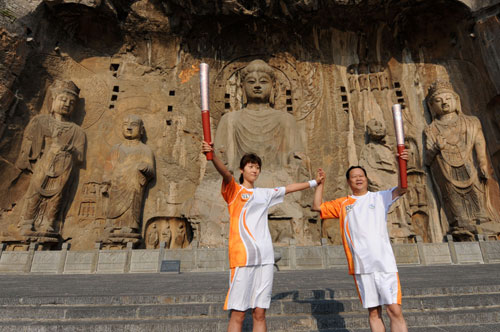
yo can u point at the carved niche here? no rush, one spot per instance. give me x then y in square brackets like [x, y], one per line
[177, 233]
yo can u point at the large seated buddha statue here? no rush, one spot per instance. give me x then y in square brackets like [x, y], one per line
[259, 128]
[275, 137]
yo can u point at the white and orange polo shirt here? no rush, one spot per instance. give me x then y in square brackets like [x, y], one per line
[250, 241]
[363, 225]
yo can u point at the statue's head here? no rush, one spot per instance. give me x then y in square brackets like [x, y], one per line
[64, 97]
[442, 99]
[257, 80]
[375, 129]
[352, 69]
[133, 127]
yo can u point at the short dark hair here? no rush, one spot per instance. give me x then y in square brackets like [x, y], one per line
[353, 167]
[249, 158]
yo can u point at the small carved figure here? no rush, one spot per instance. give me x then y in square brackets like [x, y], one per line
[363, 77]
[166, 235]
[383, 78]
[352, 79]
[373, 77]
[128, 169]
[378, 159]
[180, 235]
[52, 147]
[152, 237]
[454, 142]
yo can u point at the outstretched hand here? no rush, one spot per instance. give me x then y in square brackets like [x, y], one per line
[320, 176]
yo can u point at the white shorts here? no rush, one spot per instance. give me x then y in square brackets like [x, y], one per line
[250, 287]
[378, 288]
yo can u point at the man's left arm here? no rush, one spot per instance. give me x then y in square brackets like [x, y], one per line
[399, 191]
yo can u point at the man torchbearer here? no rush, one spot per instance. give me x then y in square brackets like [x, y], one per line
[363, 225]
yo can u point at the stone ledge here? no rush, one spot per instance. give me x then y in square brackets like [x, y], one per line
[215, 259]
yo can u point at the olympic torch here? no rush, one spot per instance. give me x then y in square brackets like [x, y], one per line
[400, 139]
[205, 113]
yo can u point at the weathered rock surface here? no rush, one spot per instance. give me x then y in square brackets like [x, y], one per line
[338, 64]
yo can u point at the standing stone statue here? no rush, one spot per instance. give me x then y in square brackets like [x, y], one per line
[456, 154]
[373, 77]
[166, 235]
[377, 158]
[383, 78]
[152, 237]
[352, 79]
[52, 146]
[379, 161]
[129, 167]
[363, 77]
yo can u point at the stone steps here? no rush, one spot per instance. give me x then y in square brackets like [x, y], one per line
[436, 299]
[303, 310]
[215, 310]
[495, 327]
[219, 297]
[344, 322]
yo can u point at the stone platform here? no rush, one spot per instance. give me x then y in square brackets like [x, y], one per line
[196, 259]
[435, 298]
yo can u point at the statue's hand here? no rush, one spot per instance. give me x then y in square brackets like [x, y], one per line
[296, 159]
[104, 188]
[299, 156]
[56, 146]
[142, 167]
[441, 142]
[483, 173]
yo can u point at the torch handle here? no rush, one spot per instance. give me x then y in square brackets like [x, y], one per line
[402, 167]
[207, 136]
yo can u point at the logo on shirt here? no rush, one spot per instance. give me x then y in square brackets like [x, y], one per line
[245, 196]
[371, 206]
[348, 208]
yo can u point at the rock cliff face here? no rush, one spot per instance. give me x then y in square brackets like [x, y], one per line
[338, 64]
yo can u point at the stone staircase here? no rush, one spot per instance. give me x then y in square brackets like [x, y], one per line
[454, 308]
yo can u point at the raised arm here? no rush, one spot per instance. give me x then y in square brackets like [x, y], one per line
[219, 165]
[400, 191]
[318, 194]
[303, 185]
